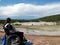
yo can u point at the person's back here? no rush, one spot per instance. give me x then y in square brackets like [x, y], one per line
[7, 28]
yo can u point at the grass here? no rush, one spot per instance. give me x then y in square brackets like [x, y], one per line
[38, 27]
[41, 28]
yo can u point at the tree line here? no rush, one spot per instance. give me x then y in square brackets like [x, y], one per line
[54, 18]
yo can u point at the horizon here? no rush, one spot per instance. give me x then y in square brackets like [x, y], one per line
[27, 19]
[28, 9]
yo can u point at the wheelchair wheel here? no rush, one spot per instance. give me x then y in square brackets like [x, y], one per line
[11, 40]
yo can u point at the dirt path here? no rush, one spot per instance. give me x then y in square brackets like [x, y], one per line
[41, 40]
[44, 40]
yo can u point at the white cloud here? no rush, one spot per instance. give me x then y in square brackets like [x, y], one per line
[30, 10]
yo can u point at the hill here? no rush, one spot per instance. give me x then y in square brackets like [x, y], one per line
[54, 18]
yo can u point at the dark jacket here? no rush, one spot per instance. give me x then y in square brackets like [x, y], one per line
[7, 27]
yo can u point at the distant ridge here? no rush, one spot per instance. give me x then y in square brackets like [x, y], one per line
[53, 18]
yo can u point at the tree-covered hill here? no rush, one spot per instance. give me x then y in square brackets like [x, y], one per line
[54, 18]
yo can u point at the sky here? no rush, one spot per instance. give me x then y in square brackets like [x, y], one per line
[28, 9]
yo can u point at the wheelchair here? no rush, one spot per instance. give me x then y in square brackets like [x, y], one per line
[11, 39]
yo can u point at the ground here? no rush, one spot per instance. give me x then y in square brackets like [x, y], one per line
[41, 39]
[44, 40]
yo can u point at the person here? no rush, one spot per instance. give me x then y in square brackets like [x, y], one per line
[8, 28]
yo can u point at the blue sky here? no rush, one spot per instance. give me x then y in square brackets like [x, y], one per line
[28, 9]
[37, 2]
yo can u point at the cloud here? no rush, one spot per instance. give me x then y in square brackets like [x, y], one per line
[31, 10]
